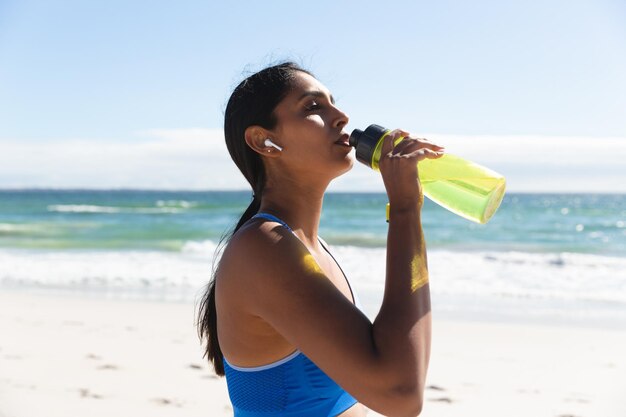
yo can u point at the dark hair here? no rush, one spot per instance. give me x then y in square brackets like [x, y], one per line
[252, 103]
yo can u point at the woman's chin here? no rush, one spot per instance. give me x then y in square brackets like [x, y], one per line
[348, 164]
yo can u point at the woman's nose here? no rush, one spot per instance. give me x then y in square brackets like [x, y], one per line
[342, 119]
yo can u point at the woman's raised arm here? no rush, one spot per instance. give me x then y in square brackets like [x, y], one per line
[382, 364]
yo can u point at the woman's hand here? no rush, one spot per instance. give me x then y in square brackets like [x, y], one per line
[398, 166]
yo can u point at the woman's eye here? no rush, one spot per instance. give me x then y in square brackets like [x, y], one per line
[313, 106]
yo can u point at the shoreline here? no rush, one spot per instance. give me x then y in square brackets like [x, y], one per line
[73, 355]
[447, 307]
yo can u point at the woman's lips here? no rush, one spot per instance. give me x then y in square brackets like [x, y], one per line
[343, 140]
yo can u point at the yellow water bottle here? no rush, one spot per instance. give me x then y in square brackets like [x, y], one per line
[463, 187]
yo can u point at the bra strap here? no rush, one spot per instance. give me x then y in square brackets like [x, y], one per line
[271, 217]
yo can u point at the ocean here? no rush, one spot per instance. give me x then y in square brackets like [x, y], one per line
[542, 257]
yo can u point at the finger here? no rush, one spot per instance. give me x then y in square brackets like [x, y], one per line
[434, 154]
[395, 137]
[404, 133]
[425, 153]
[427, 143]
[405, 148]
[417, 143]
[433, 146]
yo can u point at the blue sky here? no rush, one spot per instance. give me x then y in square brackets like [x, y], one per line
[121, 81]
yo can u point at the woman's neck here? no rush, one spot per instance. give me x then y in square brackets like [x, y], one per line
[298, 206]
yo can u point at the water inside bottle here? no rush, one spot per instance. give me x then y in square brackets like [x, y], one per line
[463, 187]
[477, 200]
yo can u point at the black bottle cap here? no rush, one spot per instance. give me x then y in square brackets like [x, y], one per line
[365, 142]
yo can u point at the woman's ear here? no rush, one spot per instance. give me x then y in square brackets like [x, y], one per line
[255, 138]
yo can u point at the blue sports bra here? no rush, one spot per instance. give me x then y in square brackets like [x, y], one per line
[290, 387]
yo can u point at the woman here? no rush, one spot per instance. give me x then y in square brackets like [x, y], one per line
[279, 315]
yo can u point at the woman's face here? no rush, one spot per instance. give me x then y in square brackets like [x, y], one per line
[310, 130]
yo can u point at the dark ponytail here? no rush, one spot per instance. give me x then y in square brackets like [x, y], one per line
[252, 103]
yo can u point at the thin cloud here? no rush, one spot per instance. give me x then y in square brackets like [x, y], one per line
[163, 159]
[197, 159]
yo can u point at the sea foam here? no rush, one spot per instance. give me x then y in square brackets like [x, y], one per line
[565, 276]
[87, 208]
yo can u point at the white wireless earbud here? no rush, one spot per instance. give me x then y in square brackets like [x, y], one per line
[270, 143]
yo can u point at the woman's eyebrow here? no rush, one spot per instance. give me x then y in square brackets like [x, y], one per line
[316, 93]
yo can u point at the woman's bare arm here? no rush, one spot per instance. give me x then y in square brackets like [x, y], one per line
[383, 364]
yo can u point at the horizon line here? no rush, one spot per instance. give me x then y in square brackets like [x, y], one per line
[231, 190]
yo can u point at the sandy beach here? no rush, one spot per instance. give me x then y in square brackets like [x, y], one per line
[71, 355]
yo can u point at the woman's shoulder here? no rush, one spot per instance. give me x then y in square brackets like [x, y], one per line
[257, 235]
[255, 247]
